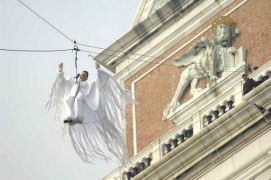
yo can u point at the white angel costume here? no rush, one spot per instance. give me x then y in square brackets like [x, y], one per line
[97, 107]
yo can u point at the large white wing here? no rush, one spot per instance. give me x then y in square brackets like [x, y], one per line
[61, 88]
[114, 97]
[111, 110]
[100, 135]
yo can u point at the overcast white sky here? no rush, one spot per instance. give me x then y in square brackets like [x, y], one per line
[32, 146]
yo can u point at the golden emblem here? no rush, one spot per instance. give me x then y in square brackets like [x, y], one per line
[226, 20]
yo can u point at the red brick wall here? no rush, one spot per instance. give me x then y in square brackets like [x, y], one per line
[155, 90]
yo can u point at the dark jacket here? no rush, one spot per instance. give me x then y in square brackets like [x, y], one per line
[248, 85]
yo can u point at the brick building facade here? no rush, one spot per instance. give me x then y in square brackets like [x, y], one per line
[155, 90]
[145, 56]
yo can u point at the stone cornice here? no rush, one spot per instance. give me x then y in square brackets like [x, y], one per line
[234, 146]
[141, 32]
[170, 35]
[141, 8]
[211, 137]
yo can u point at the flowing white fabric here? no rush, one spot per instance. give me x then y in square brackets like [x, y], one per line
[99, 106]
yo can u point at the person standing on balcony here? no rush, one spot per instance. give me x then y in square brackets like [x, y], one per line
[248, 85]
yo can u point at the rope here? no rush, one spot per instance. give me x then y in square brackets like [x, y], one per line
[75, 60]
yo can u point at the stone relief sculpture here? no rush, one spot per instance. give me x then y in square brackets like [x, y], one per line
[207, 58]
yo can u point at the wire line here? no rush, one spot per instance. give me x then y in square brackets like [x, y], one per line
[63, 34]
[96, 47]
[86, 45]
[36, 51]
[152, 62]
[93, 52]
[45, 21]
[81, 50]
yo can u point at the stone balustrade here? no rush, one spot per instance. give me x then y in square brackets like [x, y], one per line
[218, 112]
[177, 140]
[135, 170]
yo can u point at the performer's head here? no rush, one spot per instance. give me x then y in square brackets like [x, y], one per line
[84, 76]
[244, 76]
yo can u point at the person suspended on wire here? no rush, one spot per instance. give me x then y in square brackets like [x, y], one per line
[92, 113]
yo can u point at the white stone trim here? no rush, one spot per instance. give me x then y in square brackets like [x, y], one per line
[262, 163]
[139, 12]
[134, 122]
[254, 164]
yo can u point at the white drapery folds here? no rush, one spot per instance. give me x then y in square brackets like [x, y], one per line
[99, 105]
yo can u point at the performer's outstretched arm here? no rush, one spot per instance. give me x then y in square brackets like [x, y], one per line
[61, 77]
[61, 88]
[97, 66]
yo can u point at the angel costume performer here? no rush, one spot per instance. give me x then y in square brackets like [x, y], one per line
[93, 111]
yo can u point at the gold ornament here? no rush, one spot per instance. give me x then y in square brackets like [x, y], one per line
[226, 20]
